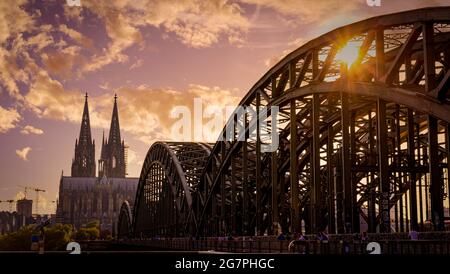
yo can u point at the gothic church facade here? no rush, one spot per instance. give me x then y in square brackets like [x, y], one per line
[85, 197]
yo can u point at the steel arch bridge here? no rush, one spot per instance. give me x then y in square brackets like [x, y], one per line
[364, 143]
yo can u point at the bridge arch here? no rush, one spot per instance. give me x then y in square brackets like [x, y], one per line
[387, 83]
[168, 180]
[124, 225]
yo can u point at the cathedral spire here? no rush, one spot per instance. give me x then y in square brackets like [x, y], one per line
[112, 161]
[114, 130]
[85, 130]
[83, 164]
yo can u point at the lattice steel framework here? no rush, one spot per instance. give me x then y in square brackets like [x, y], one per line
[169, 177]
[360, 144]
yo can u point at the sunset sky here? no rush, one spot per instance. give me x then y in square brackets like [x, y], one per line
[154, 54]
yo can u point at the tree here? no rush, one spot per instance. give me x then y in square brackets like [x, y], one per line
[19, 240]
[57, 236]
[91, 233]
[82, 235]
[93, 224]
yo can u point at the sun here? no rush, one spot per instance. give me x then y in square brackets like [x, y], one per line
[348, 54]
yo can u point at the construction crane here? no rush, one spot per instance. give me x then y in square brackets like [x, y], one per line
[37, 190]
[10, 204]
[25, 188]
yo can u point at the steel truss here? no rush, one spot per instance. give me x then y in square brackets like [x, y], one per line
[360, 145]
[169, 177]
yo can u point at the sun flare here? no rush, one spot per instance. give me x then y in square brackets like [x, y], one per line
[348, 54]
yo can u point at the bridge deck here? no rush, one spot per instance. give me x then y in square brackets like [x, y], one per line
[428, 243]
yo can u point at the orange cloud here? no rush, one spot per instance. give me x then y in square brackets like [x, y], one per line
[31, 130]
[196, 23]
[61, 62]
[8, 119]
[47, 98]
[137, 64]
[13, 19]
[149, 119]
[76, 36]
[23, 153]
[140, 114]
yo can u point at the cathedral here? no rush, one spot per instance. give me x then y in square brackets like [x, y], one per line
[85, 197]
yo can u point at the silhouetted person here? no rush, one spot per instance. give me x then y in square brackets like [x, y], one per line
[281, 237]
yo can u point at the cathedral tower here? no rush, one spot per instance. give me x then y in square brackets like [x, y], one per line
[83, 165]
[112, 159]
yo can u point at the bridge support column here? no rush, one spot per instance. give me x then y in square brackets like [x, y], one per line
[448, 164]
[233, 212]
[258, 168]
[316, 205]
[295, 202]
[245, 189]
[223, 228]
[372, 215]
[275, 190]
[383, 175]
[353, 181]
[331, 189]
[436, 184]
[346, 165]
[412, 173]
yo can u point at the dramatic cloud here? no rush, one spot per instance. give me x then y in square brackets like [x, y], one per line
[13, 19]
[47, 98]
[23, 153]
[196, 23]
[120, 28]
[8, 119]
[61, 62]
[200, 23]
[140, 114]
[150, 120]
[76, 36]
[21, 48]
[31, 130]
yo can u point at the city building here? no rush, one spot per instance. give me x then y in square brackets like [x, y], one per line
[25, 207]
[83, 197]
[13, 221]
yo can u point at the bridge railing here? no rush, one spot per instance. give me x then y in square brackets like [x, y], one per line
[392, 247]
[213, 244]
[270, 245]
[235, 246]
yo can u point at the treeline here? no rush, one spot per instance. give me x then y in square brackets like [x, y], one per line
[56, 236]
